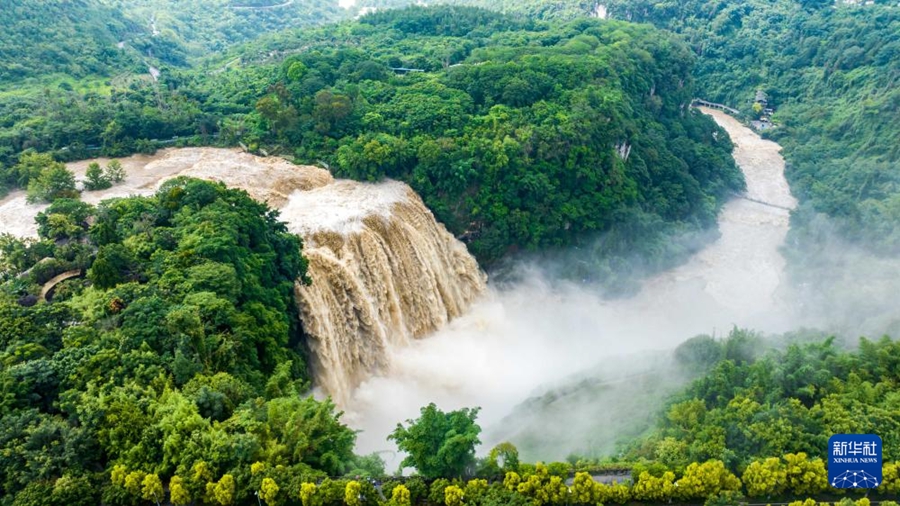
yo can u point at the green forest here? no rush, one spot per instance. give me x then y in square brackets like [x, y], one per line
[830, 70]
[45, 40]
[173, 368]
[831, 74]
[500, 133]
[80, 41]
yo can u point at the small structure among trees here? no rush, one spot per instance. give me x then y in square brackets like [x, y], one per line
[762, 111]
[761, 98]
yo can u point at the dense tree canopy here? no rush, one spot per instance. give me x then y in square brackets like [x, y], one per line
[519, 137]
[181, 357]
[786, 401]
[439, 444]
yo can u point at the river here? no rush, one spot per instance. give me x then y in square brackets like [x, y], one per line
[516, 341]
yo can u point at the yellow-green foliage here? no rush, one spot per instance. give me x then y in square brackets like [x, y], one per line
[890, 482]
[453, 496]
[268, 491]
[117, 476]
[151, 488]
[764, 478]
[584, 489]
[257, 467]
[650, 488]
[133, 482]
[701, 481]
[809, 502]
[619, 493]
[352, 493]
[223, 491]
[308, 494]
[400, 496]
[805, 476]
[475, 490]
[178, 494]
[511, 481]
[542, 488]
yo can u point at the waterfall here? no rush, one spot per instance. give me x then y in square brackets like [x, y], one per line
[383, 270]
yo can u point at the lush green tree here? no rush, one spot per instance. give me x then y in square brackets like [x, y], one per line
[95, 179]
[54, 181]
[114, 171]
[64, 219]
[29, 167]
[438, 443]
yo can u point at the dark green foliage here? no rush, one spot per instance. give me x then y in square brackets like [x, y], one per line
[439, 444]
[519, 137]
[95, 179]
[189, 327]
[830, 72]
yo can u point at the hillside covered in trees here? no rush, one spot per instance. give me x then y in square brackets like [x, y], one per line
[180, 355]
[830, 69]
[831, 73]
[519, 137]
[206, 26]
[77, 39]
[66, 39]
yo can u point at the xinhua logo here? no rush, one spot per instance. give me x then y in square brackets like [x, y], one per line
[854, 461]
